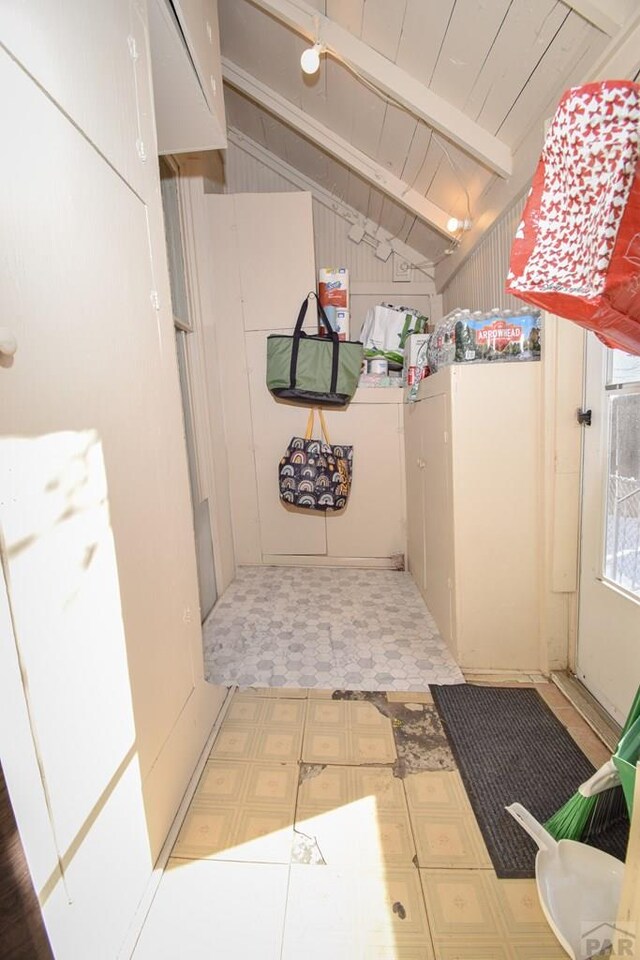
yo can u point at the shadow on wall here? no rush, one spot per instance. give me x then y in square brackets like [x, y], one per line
[59, 563]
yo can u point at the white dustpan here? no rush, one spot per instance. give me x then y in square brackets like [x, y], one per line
[579, 886]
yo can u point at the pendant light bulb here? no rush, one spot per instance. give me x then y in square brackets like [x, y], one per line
[310, 59]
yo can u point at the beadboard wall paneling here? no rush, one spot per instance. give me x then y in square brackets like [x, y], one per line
[245, 174]
[479, 284]
[334, 247]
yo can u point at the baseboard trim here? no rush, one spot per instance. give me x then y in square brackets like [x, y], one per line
[588, 707]
[502, 676]
[364, 563]
[135, 928]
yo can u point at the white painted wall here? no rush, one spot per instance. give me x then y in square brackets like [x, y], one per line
[105, 708]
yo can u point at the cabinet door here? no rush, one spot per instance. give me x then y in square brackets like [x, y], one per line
[283, 529]
[199, 23]
[413, 443]
[371, 525]
[83, 53]
[185, 122]
[438, 516]
[91, 464]
[275, 241]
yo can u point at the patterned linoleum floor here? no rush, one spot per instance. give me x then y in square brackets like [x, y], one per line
[325, 628]
[340, 829]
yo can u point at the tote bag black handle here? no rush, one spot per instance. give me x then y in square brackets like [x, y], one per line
[298, 333]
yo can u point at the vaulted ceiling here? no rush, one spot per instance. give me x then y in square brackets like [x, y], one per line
[421, 109]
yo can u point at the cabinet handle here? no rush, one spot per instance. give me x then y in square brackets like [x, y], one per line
[8, 342]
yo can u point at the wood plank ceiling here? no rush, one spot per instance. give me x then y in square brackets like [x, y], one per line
[503, 63]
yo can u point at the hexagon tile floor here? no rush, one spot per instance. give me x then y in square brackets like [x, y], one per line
[332, 628]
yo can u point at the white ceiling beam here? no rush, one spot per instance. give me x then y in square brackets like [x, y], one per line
[341, 149]
[606, 15]
[348, 213]
[620, 59]
[452, 123]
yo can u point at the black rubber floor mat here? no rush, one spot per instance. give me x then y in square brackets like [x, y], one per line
[509, 746]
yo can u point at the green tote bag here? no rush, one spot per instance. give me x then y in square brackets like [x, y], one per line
[313, 369]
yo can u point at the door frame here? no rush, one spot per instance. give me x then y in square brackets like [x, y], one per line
[574, 638]
[561, 392]
[204, 485]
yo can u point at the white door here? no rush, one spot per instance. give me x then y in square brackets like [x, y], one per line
[89, 428]
[608, 661]
[372, 523]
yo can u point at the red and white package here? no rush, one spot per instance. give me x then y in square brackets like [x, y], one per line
[333, 287]
[576, 252]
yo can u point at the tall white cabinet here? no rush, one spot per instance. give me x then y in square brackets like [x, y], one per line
[105, 709]
[473, 480]
[262, 266]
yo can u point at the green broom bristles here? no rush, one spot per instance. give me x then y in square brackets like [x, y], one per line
[569, 822]
[610, 808]
[584, 817]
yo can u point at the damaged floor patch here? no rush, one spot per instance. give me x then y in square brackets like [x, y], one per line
[420, 740]
[308, 771]
[305, 849]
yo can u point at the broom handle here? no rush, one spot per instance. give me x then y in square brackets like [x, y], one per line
[634, 713]
[603, 779]
[607, 776]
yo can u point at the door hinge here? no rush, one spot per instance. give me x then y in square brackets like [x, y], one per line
[155, 299]
[140, 147]
[584, 418]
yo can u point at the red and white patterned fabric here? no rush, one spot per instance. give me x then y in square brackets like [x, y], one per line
[576, 252]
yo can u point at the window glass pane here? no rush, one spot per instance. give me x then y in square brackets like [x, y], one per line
[622, 553]
[623, 368]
